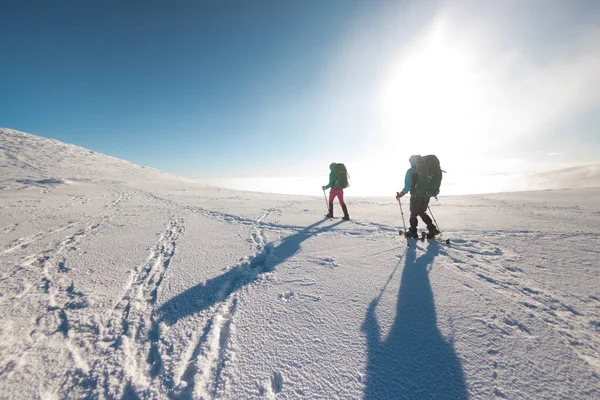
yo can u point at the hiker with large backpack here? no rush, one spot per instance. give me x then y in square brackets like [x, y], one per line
[422, 180]
[338, 181]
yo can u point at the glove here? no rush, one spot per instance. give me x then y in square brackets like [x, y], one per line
[399, 194]
[323, 187]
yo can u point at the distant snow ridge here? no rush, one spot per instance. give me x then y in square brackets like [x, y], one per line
[37, 161]
[581, 176]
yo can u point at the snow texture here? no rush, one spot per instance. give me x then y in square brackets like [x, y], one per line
[123, 282]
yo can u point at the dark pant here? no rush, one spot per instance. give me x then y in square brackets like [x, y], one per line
[418, 208]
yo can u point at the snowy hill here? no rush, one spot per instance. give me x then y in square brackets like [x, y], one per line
[33, 160]
[122, 282]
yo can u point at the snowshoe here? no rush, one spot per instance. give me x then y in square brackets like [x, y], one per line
[429, 236]
[412, 235]
[433, 233]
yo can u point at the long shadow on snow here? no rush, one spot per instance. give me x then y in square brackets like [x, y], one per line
[414, 361]
[215, 290]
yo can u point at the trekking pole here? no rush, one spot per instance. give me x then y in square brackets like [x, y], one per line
[432, 216]
[326, 204]
[403, 223]
[436, 224]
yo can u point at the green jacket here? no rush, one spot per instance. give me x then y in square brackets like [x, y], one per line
[332, 179]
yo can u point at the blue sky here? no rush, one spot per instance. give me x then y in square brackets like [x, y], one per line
[223, 89]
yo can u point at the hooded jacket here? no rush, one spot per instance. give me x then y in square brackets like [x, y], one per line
[408, 179]
[332, 180]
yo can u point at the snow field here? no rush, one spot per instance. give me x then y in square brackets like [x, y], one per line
[134, 284]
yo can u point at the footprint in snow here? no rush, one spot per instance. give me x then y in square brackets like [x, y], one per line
[287, 295]
[276, 382]
[513, 269]
[273, 387]
[328, 262]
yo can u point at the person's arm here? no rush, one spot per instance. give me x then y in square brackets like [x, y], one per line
[331, 181]
[408, 179]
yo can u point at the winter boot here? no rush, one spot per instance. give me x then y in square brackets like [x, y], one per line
[330, 213]
[433, 232]
[412, 233]
[345, 209]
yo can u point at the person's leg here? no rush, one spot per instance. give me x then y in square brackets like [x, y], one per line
[340, 195]
[426, 218]
[414, 211]
[423, 203]
[331, 198]
[344, 208]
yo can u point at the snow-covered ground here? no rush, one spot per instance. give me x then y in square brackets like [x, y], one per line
[122, 282]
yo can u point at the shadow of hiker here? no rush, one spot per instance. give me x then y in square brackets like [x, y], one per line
[414, 361]
[215, 290]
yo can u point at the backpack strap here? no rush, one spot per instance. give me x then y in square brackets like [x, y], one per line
[415, 178]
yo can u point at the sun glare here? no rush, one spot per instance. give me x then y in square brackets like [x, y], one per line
[430, 100]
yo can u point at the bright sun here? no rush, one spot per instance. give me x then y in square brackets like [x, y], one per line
[430, 101]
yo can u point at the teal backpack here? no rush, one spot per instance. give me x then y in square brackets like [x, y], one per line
[429, 176]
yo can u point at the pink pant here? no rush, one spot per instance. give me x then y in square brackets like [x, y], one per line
[339, 193]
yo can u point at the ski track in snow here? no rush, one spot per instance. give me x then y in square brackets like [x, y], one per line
[487, 263]
[49, 262]
[129, 336]
[128, 355]
[127, 358]
[202, 376]
[363, 228]
[62, 298]
[53, 259]
[23, 243]
[131, 351]
[58, 298]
